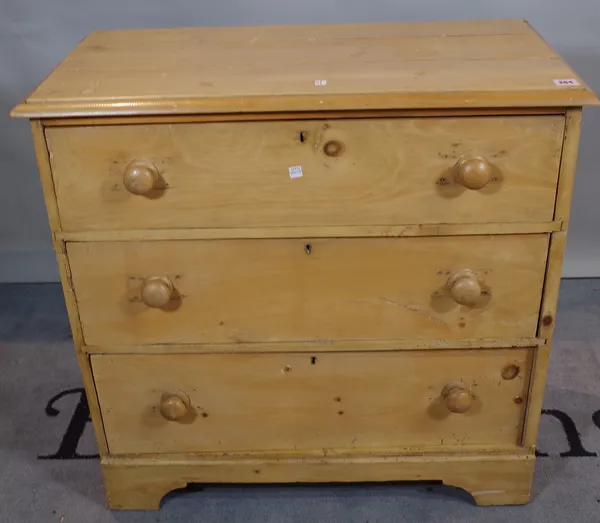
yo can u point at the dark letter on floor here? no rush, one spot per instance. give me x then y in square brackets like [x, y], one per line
[576, 449]
[80, 418]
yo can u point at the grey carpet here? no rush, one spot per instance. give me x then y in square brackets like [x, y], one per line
[37, 362]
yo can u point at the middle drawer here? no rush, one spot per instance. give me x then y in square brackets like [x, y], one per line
[243, 291]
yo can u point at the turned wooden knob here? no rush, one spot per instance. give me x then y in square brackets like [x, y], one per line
[333, 148]
[457, 398]
[474, 173]
[157, 291]
[174, 406]
[140, 178]
[465, 288]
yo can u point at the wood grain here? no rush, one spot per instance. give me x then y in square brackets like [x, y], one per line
[64, 270]
[45, 172]
[386, 172]
[43, 162]
[303, 115]
[553, 276]
[547, 318]
[568, 166]
[317, 346]
[352, 231]
[317, 403]
[353, 452]
[141, 483]
[261, 104]
[545, 330]
[537, 388]
[233, 324]
[82, 358]
[92, 401]
[249, 69]
[241, 291]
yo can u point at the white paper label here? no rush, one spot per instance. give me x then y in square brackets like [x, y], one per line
[566, 82]
[320, 82]
[295, 171]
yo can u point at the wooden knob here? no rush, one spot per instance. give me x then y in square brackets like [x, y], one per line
[140, 178]
[474, 173]
[174, 407]
[457, 398]
[465, 288]
[157, 291]
[333, 148]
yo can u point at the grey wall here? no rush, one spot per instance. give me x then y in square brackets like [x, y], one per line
[36, 34]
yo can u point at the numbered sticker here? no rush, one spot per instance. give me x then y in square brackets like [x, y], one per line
[321, 82]
[295, 171]
[566, 82]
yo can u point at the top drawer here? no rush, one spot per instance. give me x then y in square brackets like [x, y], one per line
[386, 171]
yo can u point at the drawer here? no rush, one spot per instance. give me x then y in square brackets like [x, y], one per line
[326, 401]
[274, 290]
[385, 171]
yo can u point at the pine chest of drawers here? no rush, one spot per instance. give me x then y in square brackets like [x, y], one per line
[311, 254]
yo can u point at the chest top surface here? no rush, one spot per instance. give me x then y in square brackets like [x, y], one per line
[460, 64]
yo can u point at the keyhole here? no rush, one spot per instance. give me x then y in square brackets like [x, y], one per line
[302, 136]
[308, 248]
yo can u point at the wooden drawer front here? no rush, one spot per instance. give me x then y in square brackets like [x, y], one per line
[354, 172]
[235, 291]
[240, 402]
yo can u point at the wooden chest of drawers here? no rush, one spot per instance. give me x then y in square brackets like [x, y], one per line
[320, 253]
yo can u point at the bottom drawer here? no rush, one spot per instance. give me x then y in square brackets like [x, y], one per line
[410, 400]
